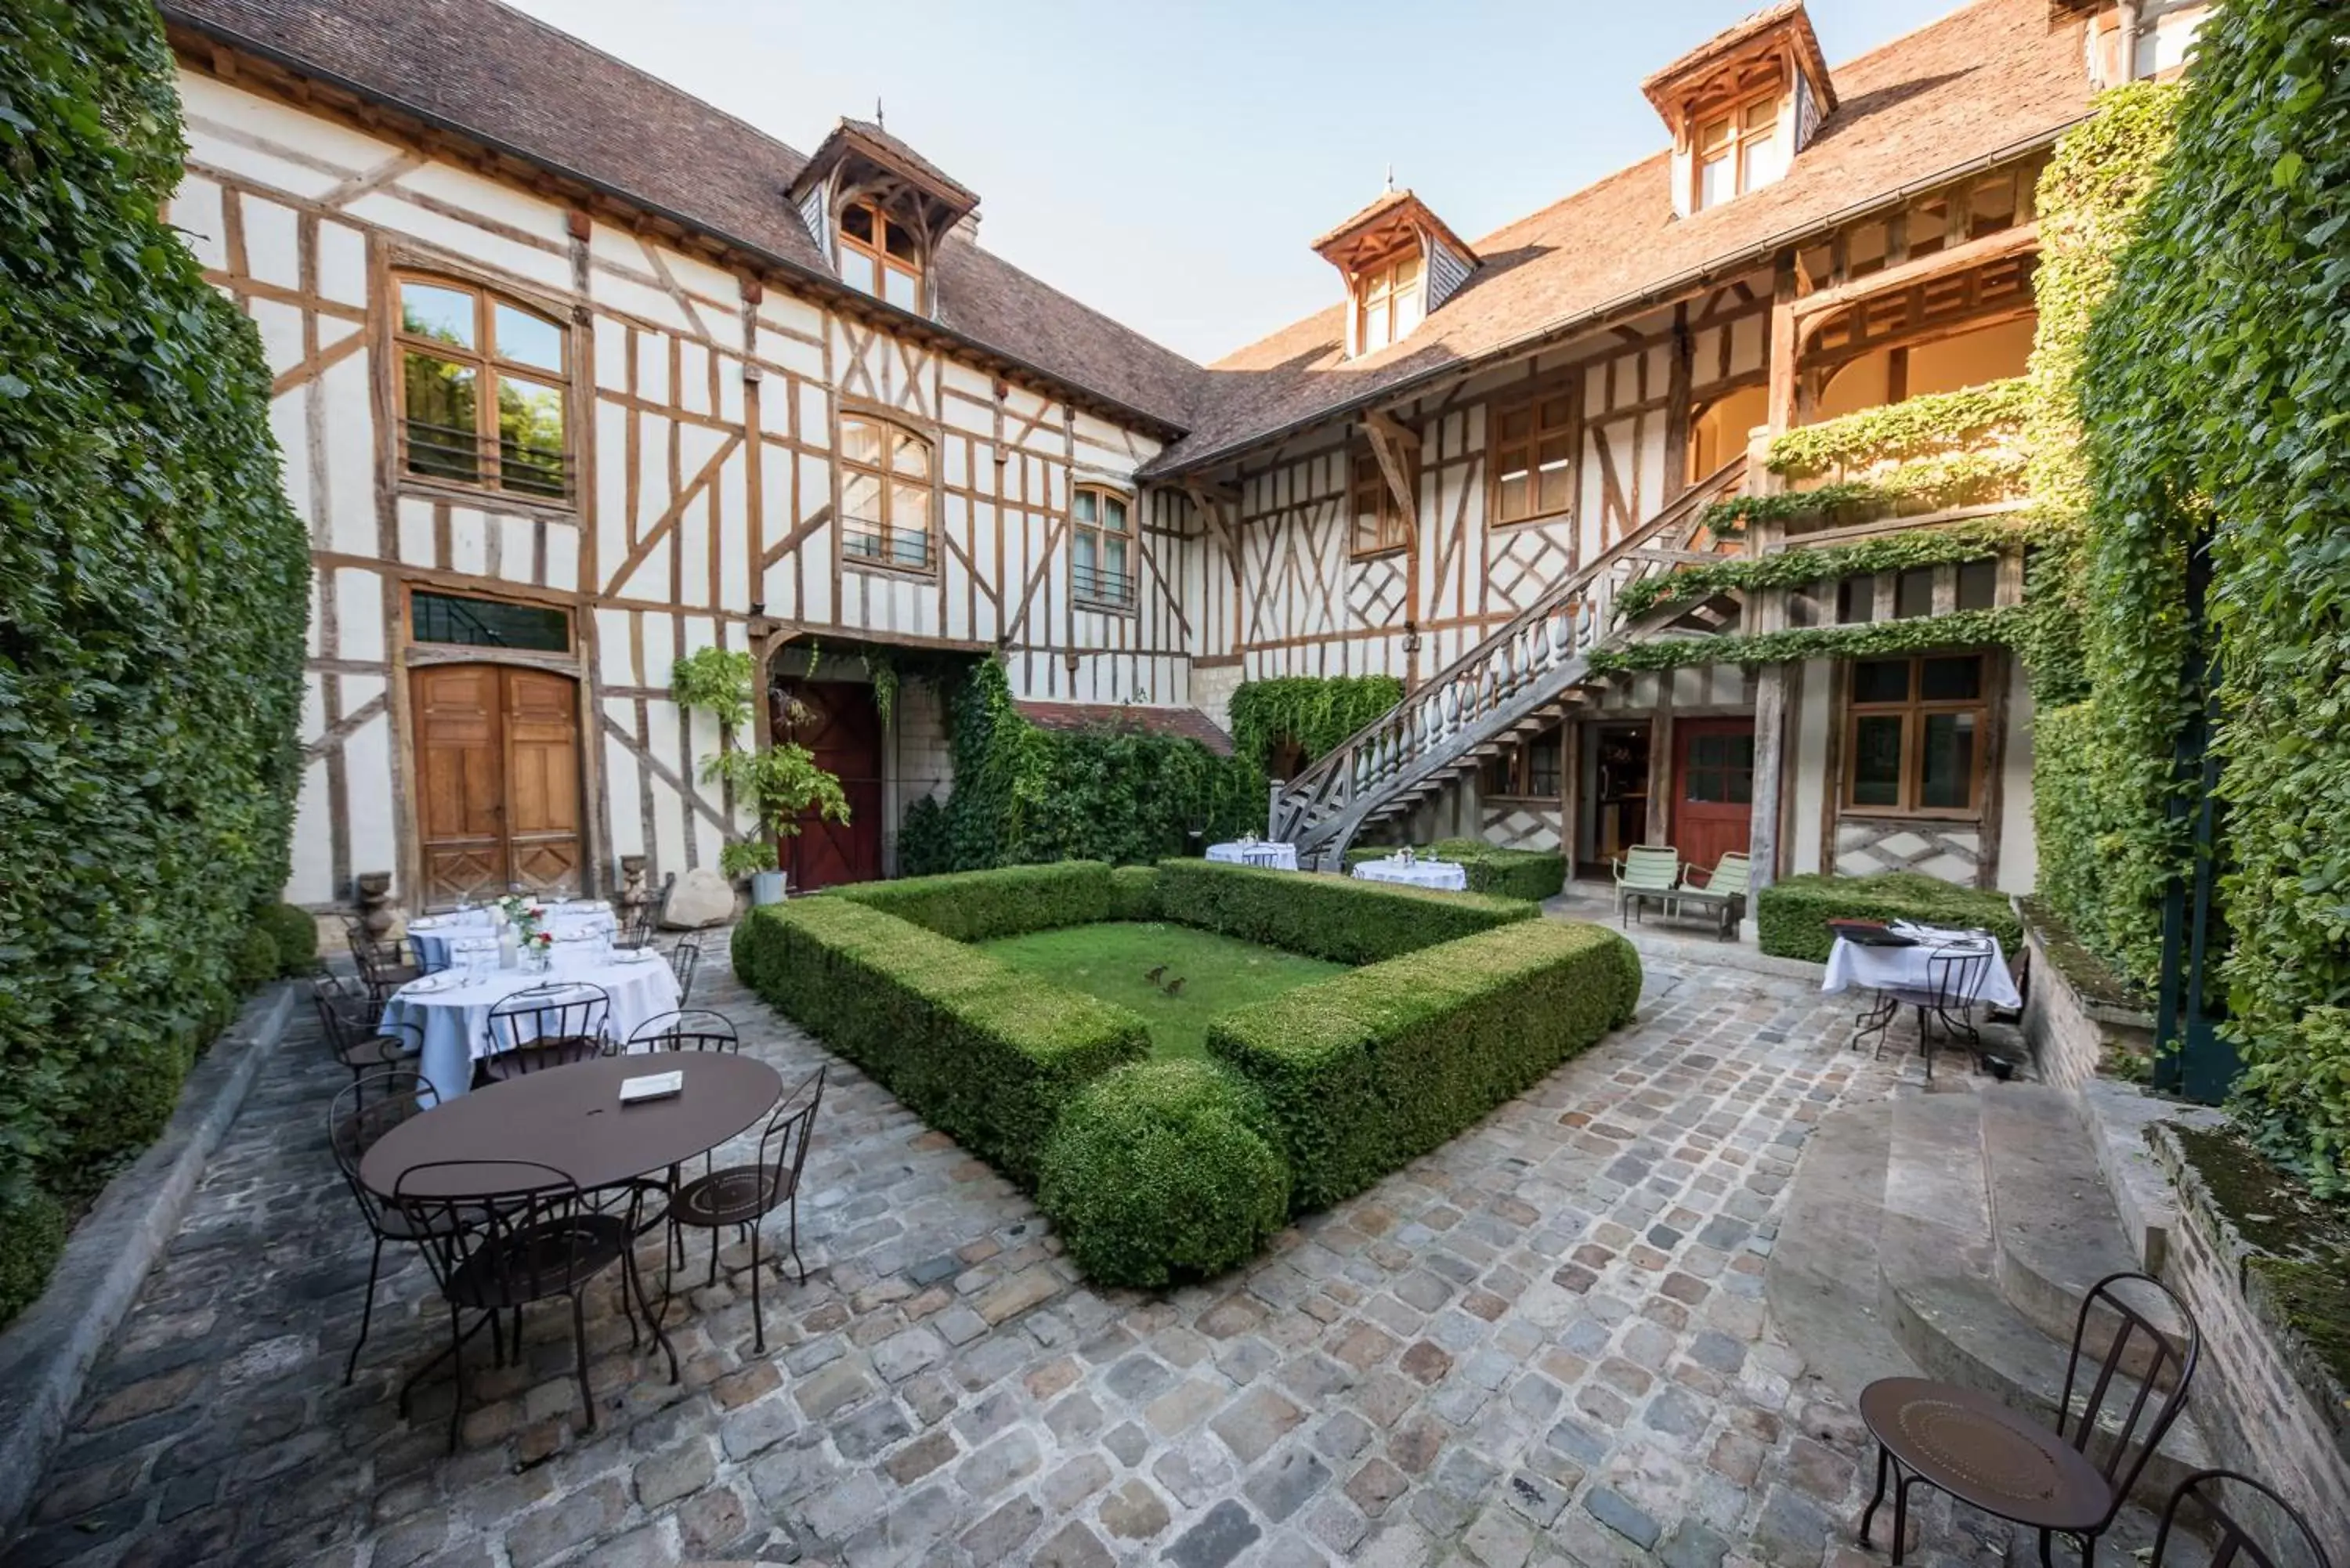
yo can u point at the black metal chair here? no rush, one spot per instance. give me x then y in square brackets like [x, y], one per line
[522, 1233]
[2227, 1536]
[2068, 1482]
[356, 1030]
[743, 1195]
[685, 961]
[636, 931]
[546, 1026]
[1955, 973]
[692, 1029]
[364, 1111]
[384, 966]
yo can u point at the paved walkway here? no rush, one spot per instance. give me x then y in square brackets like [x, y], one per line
[1545, 1343]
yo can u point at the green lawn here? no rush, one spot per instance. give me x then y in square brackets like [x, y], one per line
[1110, 962]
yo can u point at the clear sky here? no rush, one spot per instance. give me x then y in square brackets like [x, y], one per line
[1169, 163]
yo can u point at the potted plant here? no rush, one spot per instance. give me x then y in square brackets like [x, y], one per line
[779, 784]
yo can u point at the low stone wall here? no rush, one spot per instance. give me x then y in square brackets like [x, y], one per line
[2262, 1400]
[2069, 1034]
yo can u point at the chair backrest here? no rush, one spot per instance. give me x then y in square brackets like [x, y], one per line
[684, 962]
[567, 1009]
[2227, 1536]
[691, 1030]
[1650, 865]
[2149, 1363]
[1956, 974]
[513, 1234]
[784, 1143]
[371, 1106]
[1733, 873]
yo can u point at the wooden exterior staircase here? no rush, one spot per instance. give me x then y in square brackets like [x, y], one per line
[1515, 683]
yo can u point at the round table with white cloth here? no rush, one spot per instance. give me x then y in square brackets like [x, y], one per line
[1272, 854]
[1906, 971]
[431, 937]
[1445, 875]
[452, 1011]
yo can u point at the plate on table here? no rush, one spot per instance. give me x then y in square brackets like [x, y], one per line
[635, 955]
[432, 985]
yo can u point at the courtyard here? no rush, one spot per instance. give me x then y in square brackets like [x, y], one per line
[1545, 1343]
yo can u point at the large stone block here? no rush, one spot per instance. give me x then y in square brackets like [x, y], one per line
[701, 897]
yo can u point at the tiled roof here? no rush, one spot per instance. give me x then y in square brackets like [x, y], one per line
[1990, 78]
[495, 74]
[1188, 723]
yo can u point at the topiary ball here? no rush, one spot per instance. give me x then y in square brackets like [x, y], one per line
[295, 932]
[254, 960]
[1163, 1170]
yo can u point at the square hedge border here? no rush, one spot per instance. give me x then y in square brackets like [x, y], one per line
[1459, 1002]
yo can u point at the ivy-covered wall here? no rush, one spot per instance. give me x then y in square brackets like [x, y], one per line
[2215, 392]
[153, 588]
[1315, 713]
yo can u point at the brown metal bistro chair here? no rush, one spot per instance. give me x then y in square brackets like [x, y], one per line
[546, 1026]
[371, 1105]
[523, 1232]
[1955, 974]
[2229, 1538]
[694, 1029]
[355, 1029]
[384, 966]
[744, 1194]
[685, 961]
[2009, 1465]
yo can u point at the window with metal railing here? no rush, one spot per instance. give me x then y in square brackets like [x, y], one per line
[885, 495]
[1101, 549]
[483, 384]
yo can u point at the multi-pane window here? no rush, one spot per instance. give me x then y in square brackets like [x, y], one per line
[1527, 769]
[1915, 735]
[487, 623]
[1101, 547]
[1533, 460]
[1388, 299]
[879, 254]
[885, 493]
[1380, 523]
[1737, 150]
[1720, 769]
[481, 389]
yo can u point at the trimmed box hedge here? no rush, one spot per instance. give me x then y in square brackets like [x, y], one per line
[1792, 915]
[1368, 1070]
[982, 1052]
[978, 906]
[1134, 893]
[1332, 918]
[1534, 874]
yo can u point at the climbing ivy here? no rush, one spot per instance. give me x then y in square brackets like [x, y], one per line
[2215, 391]
[1801, 567]
[1315, 713]
[1865, 639]
[1927, 484]
[153, 591]
[1918, 427]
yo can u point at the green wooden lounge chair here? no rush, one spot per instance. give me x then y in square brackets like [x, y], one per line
[1723, 894]
[1645, 872]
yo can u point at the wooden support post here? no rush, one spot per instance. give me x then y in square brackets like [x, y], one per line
[1677, 406]
[1770, 748]
[1783, 345]
[1661, 764]
[1570, 792]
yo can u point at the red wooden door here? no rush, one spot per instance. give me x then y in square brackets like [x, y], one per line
[837, 721]
[1714, 789]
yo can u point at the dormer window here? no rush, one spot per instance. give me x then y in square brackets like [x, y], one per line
[1388, 301]
[1737, 150]
[880, 254]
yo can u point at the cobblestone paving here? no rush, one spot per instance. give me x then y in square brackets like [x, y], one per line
[1545, 1343]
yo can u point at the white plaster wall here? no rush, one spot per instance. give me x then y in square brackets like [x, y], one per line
[2019, 853]
[1812, 722]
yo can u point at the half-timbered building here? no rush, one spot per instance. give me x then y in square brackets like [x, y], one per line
[577, 375]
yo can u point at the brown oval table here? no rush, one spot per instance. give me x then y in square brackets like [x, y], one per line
[572, 1119]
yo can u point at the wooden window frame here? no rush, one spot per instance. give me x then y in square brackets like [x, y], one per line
[1375, 290]
[1126, 591]
[1913, 712]
[1392, 525]
[888, 526]
[1517, 765]
[877, 250]
[489, 367]
[1731, 113]
[1565, 392]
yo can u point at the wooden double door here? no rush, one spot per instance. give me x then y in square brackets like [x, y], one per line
[498, 777]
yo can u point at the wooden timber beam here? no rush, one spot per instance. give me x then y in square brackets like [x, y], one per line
[1389, 452]
[1396, 429]
[1993, 247]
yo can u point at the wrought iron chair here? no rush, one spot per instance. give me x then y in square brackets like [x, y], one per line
[356, 1030]
[637, 928]
[1955, 974]
[692, 1029]
[685, 961]
[384, 966]
[2228, 1537]
[744, 1194]
[521, 1233]
[370, 1106]
[1984, 1454]
[546, 1026]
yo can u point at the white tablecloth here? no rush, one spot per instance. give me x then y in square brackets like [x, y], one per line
[430, 936]
[1444, 875]
[1857, 965]
[1271, 854]
[455, 1020]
